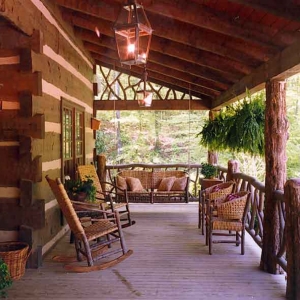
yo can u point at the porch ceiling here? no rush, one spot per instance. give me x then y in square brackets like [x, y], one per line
[214, 49]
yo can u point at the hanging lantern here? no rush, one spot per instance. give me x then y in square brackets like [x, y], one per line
[133, 34]
[144, 96]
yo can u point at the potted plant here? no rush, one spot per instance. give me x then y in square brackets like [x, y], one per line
[81, 190]
[5, 279]
[208, 170]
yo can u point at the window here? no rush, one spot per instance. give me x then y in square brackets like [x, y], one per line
[73, 129]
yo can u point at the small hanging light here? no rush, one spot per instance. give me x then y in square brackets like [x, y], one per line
[144, 96]
[133, 34]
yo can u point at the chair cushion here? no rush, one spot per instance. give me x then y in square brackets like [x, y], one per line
[179, 184]
[166, 184]
[134, 184]
[121, 182]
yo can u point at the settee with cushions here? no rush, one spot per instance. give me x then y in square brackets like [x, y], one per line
[153, 186]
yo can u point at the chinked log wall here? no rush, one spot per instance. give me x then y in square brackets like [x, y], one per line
[40, 62]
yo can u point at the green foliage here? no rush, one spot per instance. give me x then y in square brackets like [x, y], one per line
[74, 187]
[208, 170]
[238, 128]
[5, 279]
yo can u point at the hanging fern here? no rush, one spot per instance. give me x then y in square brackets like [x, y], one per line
[238, 128]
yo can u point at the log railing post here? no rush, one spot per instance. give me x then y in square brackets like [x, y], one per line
[101, 168]
[233, 167]
[292, 206]
[276, 134]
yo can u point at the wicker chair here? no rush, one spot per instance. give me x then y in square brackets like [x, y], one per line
[211, 193]
[93, 240]
[106, 198]
[231, 217]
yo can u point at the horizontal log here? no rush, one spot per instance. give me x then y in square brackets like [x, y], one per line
[156, 105]
[55, 74]
[14, 82]
[33, 216]
[33, 127]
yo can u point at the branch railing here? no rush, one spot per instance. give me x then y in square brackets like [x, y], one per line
[255, 216]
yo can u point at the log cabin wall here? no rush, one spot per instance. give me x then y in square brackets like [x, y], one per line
[41, 63]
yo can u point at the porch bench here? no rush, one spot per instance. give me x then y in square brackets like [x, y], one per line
[154, 186]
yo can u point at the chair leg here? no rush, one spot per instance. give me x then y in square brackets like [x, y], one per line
[210, 241]
[88, 252]
[243, 242]
[122, 240]
[77, 248]
[237, 239]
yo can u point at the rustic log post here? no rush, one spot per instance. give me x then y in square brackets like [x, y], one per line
[233, 167]
[101, 168]
[276, 135]
[212, 156]
[292, 228]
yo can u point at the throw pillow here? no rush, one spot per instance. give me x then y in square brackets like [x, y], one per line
[231, 197]
[166, 184]
[121, 183]
[134, 184]
[179, 184]
[215, 189]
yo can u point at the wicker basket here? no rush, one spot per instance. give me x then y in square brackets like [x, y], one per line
[15, 255]
[234, 209]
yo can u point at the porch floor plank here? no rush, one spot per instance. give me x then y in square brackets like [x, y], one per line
[170, 261]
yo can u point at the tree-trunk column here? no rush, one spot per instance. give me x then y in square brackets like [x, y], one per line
[212, 156]
[292, 200]
[276, 135]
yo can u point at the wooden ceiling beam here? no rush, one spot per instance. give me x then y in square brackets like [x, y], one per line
[282, 8]
[156, 105]
[187, 34]
[222, 79]
[161, 77]
[174, 49]
[213, 79]
[214, 42]
[200, 15]
[163, 69]
[282, 66]
[188, 12]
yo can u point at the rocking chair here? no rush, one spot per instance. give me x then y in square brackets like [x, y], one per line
[93, 241]
[107, 198]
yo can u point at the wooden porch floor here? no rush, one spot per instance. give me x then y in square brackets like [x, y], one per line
[170, 261]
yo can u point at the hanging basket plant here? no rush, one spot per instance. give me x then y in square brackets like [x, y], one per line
[238, 128]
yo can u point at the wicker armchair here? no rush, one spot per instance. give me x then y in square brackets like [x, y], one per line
[93, 240]
[231, 217]
[212, 193]
[108, 197]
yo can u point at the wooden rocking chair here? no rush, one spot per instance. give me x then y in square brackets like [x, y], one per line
[108, 196]
[93, 241]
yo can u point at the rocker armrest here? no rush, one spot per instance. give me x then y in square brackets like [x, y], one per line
[83, 206]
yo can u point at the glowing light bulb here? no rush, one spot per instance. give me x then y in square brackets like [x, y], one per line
[131, 48]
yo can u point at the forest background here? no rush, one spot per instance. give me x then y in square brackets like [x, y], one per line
[160, 137]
